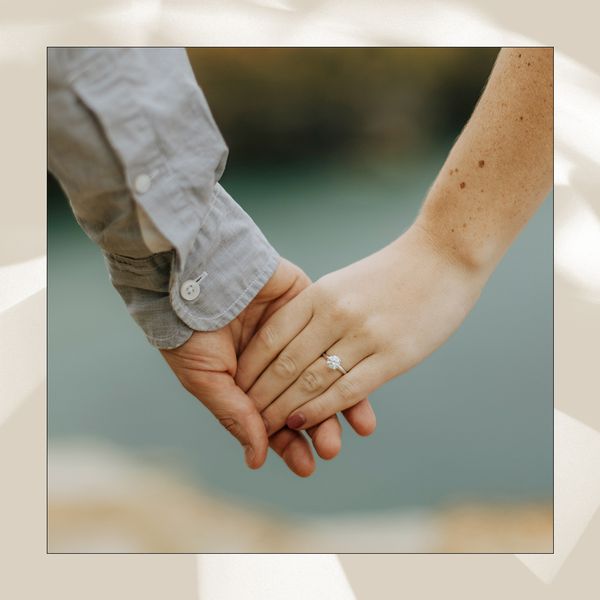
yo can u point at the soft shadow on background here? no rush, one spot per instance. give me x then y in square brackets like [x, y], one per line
[331, 153]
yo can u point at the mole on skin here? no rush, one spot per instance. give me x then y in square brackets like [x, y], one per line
[462, 184]
[481, 163]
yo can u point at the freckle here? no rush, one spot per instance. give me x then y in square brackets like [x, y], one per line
[456, 170]
[452, 230]
[528, 64]
[481, 163]
[481, 190]
[462, 185]
[521, 118]
[464, 224]
[519, 56]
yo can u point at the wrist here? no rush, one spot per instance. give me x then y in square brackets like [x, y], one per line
[435, 255]
[229, 263]
[477, 255]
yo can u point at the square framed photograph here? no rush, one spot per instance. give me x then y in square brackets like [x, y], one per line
[300, 300]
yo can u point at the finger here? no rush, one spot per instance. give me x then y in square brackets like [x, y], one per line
[326, 437]
[294, 449]
[347, 391]
[302, 281]
[237, 413]
[361, 417]
[311, 383]
[272, 338]
[303, 350]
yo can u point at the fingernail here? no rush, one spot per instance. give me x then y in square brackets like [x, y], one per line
[296, 421]
[249, 454]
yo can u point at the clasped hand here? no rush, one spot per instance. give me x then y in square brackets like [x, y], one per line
[381, 315]
[207, 364]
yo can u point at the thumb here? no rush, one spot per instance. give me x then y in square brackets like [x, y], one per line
[238, 414]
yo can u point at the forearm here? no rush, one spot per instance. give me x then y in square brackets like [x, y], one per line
[500, 168]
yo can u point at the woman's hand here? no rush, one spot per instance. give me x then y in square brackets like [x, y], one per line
[382, 316]
[207, 363]
[386, 313]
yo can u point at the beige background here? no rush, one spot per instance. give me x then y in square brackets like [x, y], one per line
[25, 31]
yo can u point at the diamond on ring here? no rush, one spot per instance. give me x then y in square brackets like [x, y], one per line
[334, 362]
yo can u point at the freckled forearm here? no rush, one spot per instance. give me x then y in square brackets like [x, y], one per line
[500, 168]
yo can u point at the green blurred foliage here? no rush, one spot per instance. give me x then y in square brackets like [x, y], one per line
[278, 104]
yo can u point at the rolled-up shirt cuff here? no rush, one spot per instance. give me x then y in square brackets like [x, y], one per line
[170, 295]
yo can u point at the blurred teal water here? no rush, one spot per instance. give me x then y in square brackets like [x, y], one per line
[473, 422]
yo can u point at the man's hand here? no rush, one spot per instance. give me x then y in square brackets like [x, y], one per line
[206, 366]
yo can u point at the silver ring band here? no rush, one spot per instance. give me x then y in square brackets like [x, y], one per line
[334, 362]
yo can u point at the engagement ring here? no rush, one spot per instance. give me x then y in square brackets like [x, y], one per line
[334, 362]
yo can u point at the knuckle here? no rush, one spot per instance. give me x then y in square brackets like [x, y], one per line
[196, 384]
[231, 425]
[237, 420]
[337, 312]
[310, 382]
[370, 331]
[244, 413]
[315, 410]
[346, 388]
[266, 336]
[343, 310]
[285, 366]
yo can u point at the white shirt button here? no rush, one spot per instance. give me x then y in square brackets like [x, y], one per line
[142, 183]
[189, 290]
